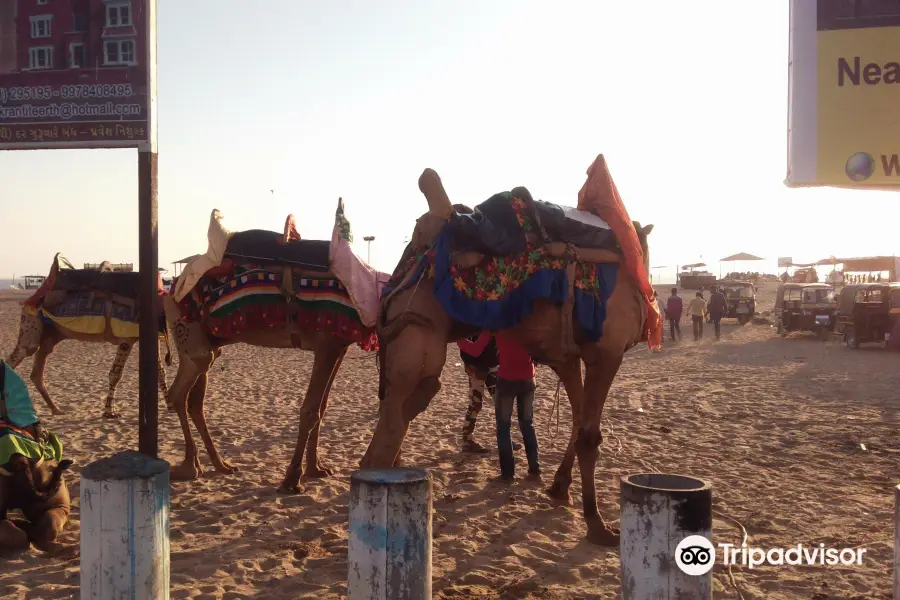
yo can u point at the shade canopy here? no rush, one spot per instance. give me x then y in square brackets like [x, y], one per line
[740, 256]
[184, 261]
[693, 266]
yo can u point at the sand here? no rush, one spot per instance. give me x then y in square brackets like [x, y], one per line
[775, 425]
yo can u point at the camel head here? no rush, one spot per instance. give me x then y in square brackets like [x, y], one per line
[429, 225]
[31, 483]
[643, 233]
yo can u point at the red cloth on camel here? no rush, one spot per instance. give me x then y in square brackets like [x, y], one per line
[599, 196]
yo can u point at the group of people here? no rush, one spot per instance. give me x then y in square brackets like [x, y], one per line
[870, 278]
[699, 309]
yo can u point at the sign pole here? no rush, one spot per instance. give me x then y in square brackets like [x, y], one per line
[148, 250]
[148, 409]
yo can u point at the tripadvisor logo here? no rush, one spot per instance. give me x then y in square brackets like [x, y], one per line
[696, 555]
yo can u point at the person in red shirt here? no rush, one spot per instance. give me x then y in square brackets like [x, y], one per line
[515, 385]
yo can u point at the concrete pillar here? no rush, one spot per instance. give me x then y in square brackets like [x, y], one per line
[125, 528]
[390, 535]
[897, 543]
[659, 513]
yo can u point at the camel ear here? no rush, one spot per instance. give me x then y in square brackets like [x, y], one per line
[64, 465]
[438, 202]
[648, 229]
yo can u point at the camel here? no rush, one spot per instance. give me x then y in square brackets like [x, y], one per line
[290, 270]
[39, 335]
[414, 331]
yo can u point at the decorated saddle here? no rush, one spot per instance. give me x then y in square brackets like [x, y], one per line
[490, 265]
[78, 299]
[258, 278]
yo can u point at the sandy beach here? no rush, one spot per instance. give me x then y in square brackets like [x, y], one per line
[777, 425]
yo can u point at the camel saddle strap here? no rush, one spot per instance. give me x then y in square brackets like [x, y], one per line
[287, 290]
[568, 323]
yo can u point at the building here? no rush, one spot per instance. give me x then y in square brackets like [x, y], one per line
[60, 35]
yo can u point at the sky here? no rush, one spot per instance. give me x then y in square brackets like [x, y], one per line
[272, 108]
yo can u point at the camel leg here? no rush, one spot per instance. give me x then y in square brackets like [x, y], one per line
[123, 352]
[48, 342]
[188, 373]
[570, 374]
[598, 380]
[195, 409]
[413, 366]
[161, 373]
[46, 529]
[327, 360]
[11, 537]
[314, 467]
[30, 332]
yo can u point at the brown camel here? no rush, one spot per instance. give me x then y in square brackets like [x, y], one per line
[414, 332]
[39, 336]
[198, 346]
[38, 339]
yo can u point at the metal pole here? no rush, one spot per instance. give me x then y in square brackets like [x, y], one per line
[369, 239]
[148, 358]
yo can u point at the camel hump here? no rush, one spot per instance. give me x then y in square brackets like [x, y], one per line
[433, 189]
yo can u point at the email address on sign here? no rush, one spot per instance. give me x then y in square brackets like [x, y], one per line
[69, 110]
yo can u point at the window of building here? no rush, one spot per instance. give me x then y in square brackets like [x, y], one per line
[40, 26]
[40, 58]
[118, 15]
[79, 22]
[76, 56]
[118, 52]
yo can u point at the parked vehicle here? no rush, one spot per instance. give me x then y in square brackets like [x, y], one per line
[869, 313]
[806, 307]
[741, 297]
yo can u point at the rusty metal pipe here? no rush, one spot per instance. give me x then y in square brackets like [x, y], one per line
[666, 544]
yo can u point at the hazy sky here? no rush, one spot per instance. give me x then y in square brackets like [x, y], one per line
[315, 100]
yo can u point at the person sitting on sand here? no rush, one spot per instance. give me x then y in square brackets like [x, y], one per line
[697, 309]
[482, 373]
[515, 385]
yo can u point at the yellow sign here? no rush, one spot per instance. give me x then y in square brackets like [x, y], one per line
[844, 94]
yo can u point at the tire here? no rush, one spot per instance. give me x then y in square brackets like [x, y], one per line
[825, 334]
[742, 319]
[850, 338]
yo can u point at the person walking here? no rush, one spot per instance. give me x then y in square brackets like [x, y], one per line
[674, 308]
[481, 370]
[515, 385]
[718, 308]
[697, 309]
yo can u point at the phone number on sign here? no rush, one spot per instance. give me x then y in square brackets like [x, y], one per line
[46, 92]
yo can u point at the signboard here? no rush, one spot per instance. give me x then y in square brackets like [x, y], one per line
[785, 261]
[77, 73]
[844, 94]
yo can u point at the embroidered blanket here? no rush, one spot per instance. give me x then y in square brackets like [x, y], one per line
[85, 312]
[252, 297]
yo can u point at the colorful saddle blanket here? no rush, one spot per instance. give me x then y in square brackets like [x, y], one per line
[253, 297]
[499, 292]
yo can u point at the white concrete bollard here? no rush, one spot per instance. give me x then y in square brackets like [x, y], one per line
[658, 512]
[897, 543]
[390, 535]
[125, 528]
